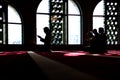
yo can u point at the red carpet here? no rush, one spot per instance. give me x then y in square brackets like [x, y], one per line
[6, 53]
[18, 65]
[105, 66]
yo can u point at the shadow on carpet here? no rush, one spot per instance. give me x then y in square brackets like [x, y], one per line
[19, 65]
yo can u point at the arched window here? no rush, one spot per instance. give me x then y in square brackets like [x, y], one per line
[98, 15]
[106, 15]
[63, 17]
[11, 26]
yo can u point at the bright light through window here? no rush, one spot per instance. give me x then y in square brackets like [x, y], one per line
[74, 27]
[43, 7]
[73, 23]
[14, 29]
[13, 16]
[43, 21]
[14, 34]
[98, 16]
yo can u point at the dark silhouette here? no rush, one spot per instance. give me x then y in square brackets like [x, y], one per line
[102, 40]
[89, 41]
[47, 39]
[97, 41]
[95, 32]
[95, 46]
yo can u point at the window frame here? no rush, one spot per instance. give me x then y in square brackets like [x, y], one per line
[66, 20]
[5, 23]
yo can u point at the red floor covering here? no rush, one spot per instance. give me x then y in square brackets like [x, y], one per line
[18, 65]
[104, 66]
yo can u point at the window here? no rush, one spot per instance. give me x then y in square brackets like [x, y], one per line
[106, 15]
[98, 16]
[11, 26]
[14, 27]
[63, 18]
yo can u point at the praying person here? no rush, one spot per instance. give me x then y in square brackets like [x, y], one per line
[47, 39]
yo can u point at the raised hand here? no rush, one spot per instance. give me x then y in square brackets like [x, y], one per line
[38, 36]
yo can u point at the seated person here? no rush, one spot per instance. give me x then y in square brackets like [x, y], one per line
[47, 38]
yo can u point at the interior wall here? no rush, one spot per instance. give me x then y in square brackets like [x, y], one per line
[27, 10]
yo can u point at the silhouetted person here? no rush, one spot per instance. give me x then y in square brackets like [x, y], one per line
[90, 42]
[102, 40]
[47, 39]
[95, 43]
[95, 32]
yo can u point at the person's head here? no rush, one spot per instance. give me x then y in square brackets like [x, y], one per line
[95, 31]
[46, 30]
[101, 30]
[90, 34]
